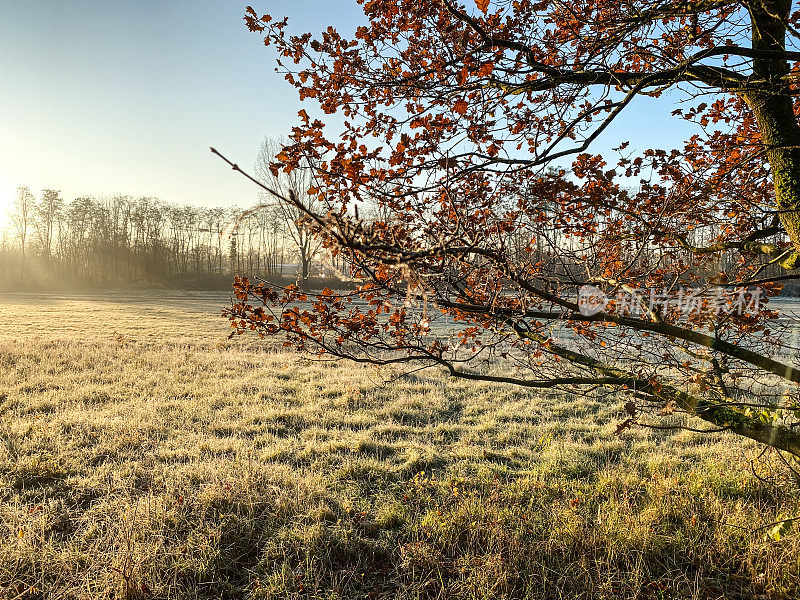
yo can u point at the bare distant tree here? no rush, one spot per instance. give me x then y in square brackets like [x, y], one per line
[297, 182]
[22, 215]
[47, 212]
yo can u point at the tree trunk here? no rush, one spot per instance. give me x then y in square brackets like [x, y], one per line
[775, 116]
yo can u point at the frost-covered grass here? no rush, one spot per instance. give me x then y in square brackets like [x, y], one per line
[143, 455]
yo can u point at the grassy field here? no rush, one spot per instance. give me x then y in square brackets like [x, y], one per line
[143, 455]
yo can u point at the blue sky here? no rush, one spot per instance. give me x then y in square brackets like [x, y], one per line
[113, 96]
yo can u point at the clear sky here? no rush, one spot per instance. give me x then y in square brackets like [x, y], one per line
[126, 96]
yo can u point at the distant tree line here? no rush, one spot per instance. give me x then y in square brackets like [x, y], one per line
[127, 241]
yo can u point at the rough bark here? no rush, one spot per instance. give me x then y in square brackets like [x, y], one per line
[774, 112]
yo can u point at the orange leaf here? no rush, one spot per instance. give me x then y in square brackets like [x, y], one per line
[460, 106]
[483, 5]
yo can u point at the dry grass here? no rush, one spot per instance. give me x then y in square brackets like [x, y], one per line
[145, 456]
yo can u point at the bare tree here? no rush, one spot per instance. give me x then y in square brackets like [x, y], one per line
[21, 217]
[47, 212]
[296, 183]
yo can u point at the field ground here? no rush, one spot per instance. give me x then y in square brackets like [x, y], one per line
[143, 455]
